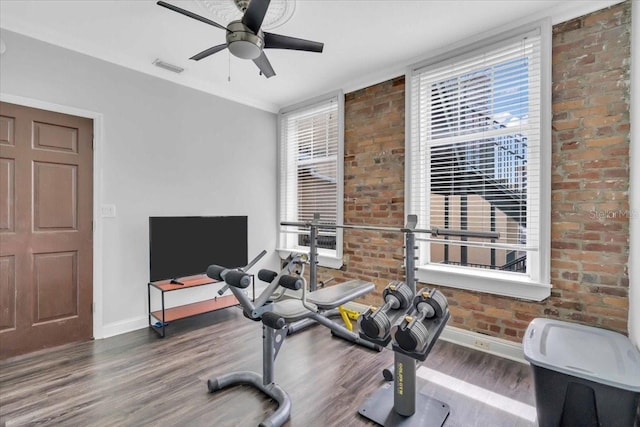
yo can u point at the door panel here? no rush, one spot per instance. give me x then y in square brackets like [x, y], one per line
[7, 293]
[7, 125]
[7, 196]
[55, 196]
[53, 137]
[55, 286]
[46, 229]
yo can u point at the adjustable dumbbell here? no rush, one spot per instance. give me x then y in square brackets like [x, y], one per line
[374, 323]
[411, 334]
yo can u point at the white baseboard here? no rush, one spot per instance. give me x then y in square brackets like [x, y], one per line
[117, 328]
[492, 345]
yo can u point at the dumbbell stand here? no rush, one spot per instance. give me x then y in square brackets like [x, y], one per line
[402, 403]
[379, 408]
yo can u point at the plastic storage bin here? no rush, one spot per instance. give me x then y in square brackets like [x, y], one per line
[583, 376]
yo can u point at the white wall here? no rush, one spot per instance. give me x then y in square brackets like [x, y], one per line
[634, 180]
[164, 150]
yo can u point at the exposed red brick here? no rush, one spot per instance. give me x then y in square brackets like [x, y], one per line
[590, 163]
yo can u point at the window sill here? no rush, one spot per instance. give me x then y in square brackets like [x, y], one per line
[326, 258]
[499, 283]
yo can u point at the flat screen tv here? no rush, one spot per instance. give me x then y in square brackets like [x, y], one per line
[181, 246]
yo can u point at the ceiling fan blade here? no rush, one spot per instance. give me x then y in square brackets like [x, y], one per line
[208, 52]
[277, 41]
[265, 66]
[190, 14]
[255, 13]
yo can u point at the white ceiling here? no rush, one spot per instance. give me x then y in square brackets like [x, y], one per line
[366, 41]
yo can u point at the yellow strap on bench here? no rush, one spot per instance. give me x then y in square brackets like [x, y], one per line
[345, 317]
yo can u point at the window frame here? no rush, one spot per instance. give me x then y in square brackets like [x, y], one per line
[535, 284]
[331, 258]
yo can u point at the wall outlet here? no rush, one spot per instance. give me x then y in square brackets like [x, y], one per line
[480, 343]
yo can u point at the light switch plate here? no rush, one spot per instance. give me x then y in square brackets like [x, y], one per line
[108, 211]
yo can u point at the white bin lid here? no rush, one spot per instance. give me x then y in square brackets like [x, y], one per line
[594, 354]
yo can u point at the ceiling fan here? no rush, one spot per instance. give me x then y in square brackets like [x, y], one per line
[246, 40]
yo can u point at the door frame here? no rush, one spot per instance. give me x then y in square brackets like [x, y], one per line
[98, 138]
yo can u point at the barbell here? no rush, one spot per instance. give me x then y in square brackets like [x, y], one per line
[412, 221]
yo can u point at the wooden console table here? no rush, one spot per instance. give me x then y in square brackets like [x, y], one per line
[158, 319]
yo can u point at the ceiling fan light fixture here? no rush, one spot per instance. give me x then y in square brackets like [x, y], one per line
[242, 43]
[245, 37]
[244, 49]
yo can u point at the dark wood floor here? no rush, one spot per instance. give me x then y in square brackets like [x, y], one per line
[137, 379]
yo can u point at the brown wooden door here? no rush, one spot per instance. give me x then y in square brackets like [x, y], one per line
[46, 229]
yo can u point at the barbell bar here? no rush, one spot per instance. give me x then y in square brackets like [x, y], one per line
[411, 223]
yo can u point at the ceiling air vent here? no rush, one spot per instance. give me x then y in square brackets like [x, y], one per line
[167, 66]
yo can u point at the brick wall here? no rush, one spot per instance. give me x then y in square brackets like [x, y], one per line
[590, 182]
[590, 224]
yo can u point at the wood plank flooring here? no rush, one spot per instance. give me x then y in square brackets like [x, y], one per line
[138, 379]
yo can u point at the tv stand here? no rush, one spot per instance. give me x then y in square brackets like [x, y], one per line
[159, 319]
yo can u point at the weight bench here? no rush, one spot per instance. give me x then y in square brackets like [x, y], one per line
[276, 318]
[322, 304]
[327, 300]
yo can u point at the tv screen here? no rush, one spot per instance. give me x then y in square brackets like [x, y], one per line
[187, 245]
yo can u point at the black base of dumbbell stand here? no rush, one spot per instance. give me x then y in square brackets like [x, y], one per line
[382, 342]
[379, 409]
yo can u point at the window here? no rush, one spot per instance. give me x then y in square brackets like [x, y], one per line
[310, 180]
[478, 159]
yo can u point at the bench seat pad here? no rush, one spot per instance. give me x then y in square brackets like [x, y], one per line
[334, 296]
[292, 310]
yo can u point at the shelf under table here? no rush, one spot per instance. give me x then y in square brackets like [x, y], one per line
[188, 310]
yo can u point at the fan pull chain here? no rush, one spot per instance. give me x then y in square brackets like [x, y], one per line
[229, 56]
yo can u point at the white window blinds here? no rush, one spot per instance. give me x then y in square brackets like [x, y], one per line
[474, 152]
[309, 170]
